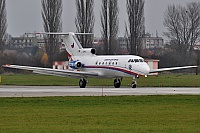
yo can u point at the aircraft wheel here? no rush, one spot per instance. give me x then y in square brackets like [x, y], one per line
[82, 83]
[134, 84]
[117, 83]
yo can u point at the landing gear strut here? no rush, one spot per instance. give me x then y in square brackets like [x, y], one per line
[117, 83]
[82, 83]
[134, 83]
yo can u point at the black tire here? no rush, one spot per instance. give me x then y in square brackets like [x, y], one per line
[117, 83]
[82, 83]
[134, 85]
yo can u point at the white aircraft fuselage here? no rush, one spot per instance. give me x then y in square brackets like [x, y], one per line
[113, 66]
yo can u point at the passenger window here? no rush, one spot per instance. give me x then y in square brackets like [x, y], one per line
[103, 63]
[99, 63]
[116, 63]
[113, 63]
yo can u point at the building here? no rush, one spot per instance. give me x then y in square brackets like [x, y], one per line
[29, 41]
[153, 64]
[98, 44]
[150, 42]
[61, 65]
[123, 47]
[24, 41]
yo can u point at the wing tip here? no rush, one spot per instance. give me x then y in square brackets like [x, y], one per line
[6, 65]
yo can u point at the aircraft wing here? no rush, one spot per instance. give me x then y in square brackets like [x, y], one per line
[169, 69]
[55, 72]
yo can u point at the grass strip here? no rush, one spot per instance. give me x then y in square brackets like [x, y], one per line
[177, 113]
[170, 80]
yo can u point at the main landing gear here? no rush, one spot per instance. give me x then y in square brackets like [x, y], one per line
[117, 83]
[82, 83]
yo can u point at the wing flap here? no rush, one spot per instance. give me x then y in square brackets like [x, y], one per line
[169, 69]
[55, 72]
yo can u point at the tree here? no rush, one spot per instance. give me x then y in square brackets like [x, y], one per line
[183, 28]
[135, 28]
[85, 20]
[44, 59]
[51, 14]
[110, 24]
[3, 24]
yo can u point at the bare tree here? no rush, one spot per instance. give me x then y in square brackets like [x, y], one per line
[135, 28]
[110, 24]
[183, 27]
[85, 20]
[3, 24]
[51, 14]
[104, 23]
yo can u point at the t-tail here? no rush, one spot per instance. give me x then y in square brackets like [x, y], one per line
[73, 46]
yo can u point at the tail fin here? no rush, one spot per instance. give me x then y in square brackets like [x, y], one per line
[72, 45]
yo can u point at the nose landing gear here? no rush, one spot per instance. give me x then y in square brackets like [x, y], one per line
[134, 83]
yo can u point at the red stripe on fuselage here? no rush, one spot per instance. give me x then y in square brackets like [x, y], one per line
[115, 68]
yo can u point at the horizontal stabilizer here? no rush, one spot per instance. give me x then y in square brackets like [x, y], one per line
[67, 33]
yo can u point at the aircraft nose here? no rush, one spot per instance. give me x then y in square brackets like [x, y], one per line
[145, 69]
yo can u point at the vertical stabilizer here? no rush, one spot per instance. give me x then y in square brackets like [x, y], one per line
[72, 45]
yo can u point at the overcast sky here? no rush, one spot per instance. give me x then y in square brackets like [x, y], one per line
[25, 15]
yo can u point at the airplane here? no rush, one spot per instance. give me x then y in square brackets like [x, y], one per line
[84, 63]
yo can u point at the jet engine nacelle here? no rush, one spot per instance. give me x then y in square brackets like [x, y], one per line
[87, 51]
[75, 64]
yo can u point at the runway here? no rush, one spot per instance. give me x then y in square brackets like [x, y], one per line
[45, 91]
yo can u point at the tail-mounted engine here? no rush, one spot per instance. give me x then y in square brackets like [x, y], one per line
[75, 64]
[87, 51]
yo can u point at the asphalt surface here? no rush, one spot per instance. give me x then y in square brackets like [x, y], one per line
[44, 91]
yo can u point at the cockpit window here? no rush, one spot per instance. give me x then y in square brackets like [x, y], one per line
[136, 60]
[141, 60]
[130, 60]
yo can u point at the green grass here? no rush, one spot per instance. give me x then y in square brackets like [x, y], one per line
[174, 80]
[175, 113]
